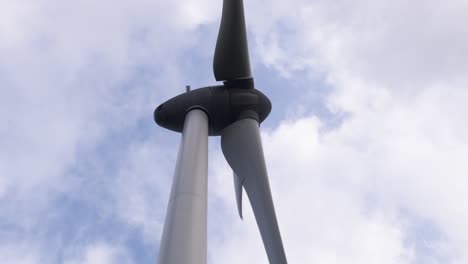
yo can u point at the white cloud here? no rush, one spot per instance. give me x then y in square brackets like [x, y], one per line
[99, 253]
[142, 188]
[394, 42]
[72, 72]
[19, 253]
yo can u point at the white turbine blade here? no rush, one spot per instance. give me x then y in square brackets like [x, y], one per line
[238, 190]
[243, 150]
[185, 228]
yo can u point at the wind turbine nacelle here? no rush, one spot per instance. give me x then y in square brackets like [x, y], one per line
[223, 105]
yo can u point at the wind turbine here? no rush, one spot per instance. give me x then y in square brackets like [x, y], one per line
[233, 111]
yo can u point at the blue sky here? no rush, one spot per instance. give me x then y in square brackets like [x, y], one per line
[366, 143]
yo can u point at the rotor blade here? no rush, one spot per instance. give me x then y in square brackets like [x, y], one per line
[231, 59]
[238, 190]
[242, 148]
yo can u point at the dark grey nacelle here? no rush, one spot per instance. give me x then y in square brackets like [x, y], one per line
[222, 104]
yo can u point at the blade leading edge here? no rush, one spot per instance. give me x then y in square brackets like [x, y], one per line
[242, 147]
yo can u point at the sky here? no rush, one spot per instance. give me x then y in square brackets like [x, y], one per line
[366, 144]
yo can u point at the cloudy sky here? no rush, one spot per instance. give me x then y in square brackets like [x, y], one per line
[366, 144]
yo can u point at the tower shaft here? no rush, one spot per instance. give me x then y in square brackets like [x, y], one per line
[184, 238]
